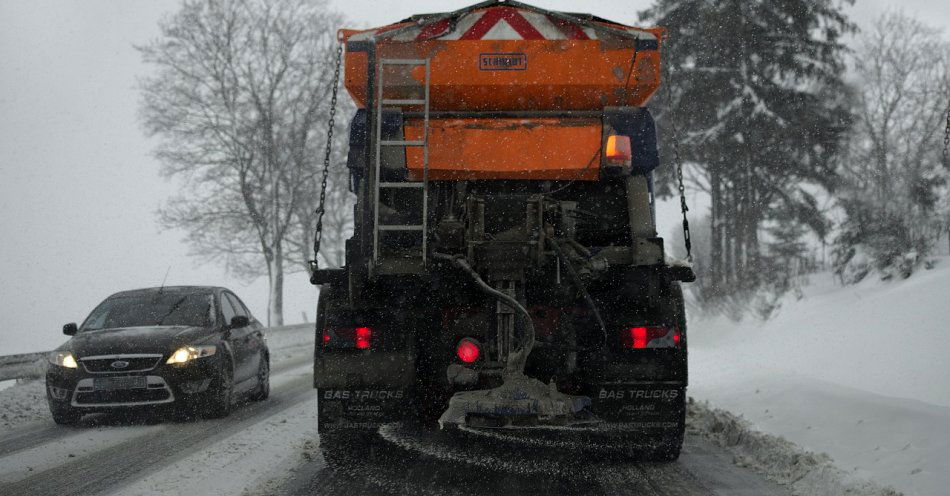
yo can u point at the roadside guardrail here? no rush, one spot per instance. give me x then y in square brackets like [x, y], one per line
[22, 366]
[33, 365]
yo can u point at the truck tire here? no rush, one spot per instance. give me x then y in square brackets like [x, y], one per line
[346, 449]
[665, 444]
[669, 447]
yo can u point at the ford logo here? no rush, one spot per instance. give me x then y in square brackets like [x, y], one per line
[119, 364]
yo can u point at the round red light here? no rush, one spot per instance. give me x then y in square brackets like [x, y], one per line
[363, 335]
[468, 351]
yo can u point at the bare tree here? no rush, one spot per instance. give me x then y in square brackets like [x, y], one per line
[238, 98]
[894, 187]
[338, 214]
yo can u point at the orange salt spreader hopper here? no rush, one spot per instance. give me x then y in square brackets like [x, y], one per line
[515, 92]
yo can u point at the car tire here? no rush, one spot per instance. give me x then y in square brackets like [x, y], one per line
[65, 415]
[262, 391]
[219, 399]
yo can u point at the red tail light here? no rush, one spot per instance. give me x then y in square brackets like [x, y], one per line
[468, 350]
[360, 338]
[638, 338]
[363, 335]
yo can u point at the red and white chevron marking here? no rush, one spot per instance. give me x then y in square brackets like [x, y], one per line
[497, 23]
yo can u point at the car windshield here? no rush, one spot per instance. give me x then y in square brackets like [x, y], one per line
[158, 309]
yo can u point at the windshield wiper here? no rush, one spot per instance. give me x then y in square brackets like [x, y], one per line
[172, 309]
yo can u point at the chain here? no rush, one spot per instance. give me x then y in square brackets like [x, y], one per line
[946, 139]
[318, 234]
[687, 240]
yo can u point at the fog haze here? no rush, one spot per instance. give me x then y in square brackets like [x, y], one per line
[78, 187]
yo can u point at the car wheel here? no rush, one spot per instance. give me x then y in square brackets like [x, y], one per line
[218, 402]
[65, 415]
[263, 381]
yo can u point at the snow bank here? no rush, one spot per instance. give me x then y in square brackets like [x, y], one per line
[23, 403]
[889, 338]
[290, 342]
[808, 474]
[857, 372]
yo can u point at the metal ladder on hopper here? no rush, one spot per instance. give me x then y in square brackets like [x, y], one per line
[389, 264]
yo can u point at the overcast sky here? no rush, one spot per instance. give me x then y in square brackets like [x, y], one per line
[78, 188]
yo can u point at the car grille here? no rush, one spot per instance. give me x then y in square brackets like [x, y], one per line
[111, 391]
[123, 396]
[135, 363]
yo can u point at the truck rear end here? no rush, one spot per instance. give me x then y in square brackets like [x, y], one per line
[505, 271]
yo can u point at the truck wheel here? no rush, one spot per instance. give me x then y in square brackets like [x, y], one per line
[667, 454]
[346, 449]
[669, 446]
[665, 445]
[65, 415]
[669, 449]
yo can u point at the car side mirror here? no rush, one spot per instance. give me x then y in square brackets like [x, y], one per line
[239, 321]
[70, 329]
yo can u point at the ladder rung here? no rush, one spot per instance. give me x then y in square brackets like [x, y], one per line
[401, 143]
[400, 185]
[390, 227]
[407, 101]
[402, 62]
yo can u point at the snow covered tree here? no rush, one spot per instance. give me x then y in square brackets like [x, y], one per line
[238, 98]
[756, 95]
[894, 186]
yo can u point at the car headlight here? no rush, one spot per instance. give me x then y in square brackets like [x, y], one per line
[186, 354]
[63, 359]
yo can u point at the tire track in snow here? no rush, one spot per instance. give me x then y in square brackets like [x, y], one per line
[31, 435]
[290, 347]
[150, 451]
[434, 463]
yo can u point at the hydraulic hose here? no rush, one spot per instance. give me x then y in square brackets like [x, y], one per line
[516, 360]
[580, 286]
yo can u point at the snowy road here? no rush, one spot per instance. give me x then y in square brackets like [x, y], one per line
[273, 448]
[702, 470]
[107, 452]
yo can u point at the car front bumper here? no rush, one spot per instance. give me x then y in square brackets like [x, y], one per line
[163, 384]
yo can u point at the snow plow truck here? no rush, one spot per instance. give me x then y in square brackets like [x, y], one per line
[505, 271]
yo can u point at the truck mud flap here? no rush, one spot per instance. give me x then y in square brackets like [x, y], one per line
[361, 408]
[640, 405]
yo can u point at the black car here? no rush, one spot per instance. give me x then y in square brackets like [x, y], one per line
[187, 347]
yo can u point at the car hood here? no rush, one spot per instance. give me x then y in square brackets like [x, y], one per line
[127, 340]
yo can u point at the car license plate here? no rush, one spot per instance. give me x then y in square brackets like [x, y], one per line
[112, 383]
